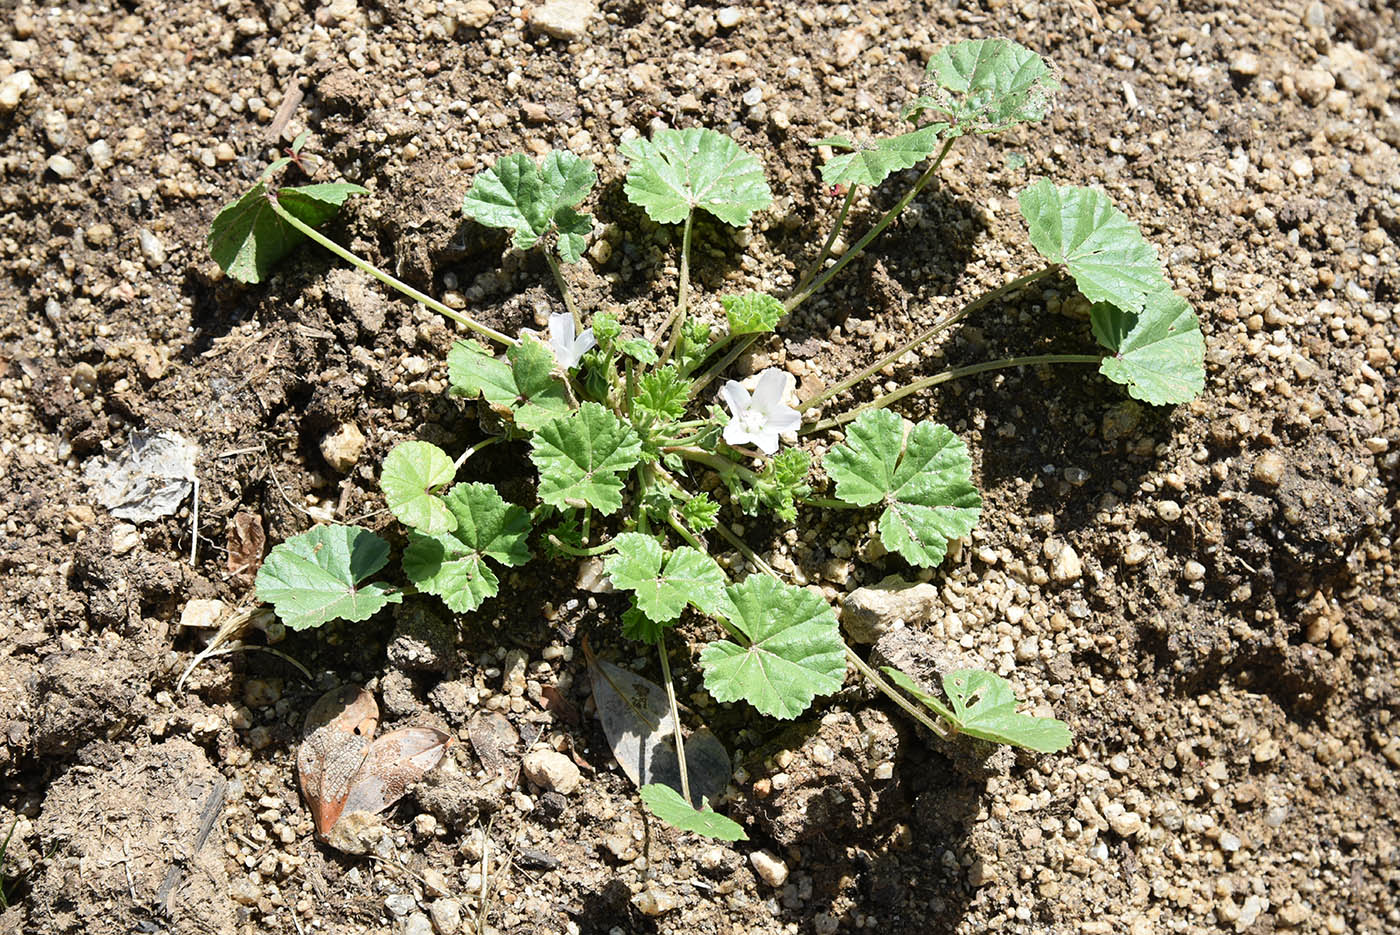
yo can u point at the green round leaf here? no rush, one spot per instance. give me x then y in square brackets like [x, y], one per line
[317, 577]
[677, 171]
[689, 576]
[452, 565]
[412, 471]
[580, 456]
[1158, 355]
[986, 85]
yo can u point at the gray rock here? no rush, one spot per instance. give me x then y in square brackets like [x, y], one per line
[61, 166]
[868, 613]
[151, 247]
[446, 915]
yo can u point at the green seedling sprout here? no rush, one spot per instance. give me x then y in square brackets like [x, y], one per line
[621, 425]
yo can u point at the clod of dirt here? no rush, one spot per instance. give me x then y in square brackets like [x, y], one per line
[134, 843]
[456, 800]
[868, 612]
[342, 446]
[87, 695]
[832, 782]
[18, 697]
[423, 641]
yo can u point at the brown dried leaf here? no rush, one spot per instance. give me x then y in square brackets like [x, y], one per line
[246, 541]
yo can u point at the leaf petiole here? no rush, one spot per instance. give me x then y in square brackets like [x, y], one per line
[675, 716]
[397, 285]
[815, 266]
[580, 553]
[682, 293]
[484, 443]
[563, 288]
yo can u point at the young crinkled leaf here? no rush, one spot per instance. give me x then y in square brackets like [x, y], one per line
[985, 86]
[925, 482]
[1103, 250]
[984, 707]
[668, 805]
[1159, 354]
[247, 237]
[677, 171]
[752, 312]
[871, 165]
[530, 200]
[688, 576]
[318, 576]
[794, 650]
[580, 457]
[452, 565]
[412, 472]
[639, 349]
[523, 385]
[661, 394]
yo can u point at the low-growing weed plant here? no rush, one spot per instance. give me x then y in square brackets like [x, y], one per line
[622, 426]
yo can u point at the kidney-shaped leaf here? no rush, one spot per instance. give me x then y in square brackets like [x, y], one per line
[985, 85]
[529, 200]
[247, 237]
[1159, 355]
[924, 481]
[413, 471]
[580, 457]
[794, 650]
[318, 576]
[452, 565]
[689, 576]
[677, 171]
[1100, 247]
[668, 805]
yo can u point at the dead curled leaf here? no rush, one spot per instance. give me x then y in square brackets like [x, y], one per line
[343, 770]
[246, 541]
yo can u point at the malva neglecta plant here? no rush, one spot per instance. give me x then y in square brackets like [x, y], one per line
[620, 425]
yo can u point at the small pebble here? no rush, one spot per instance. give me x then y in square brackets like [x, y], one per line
[1194, 571]
[400, 904]
[1268, 470]
[61, 166]
[342, 446]
[151, 247]
[13, 88]
[1168, 511]
[418, 924]
[446, 915]
[552, 771]
[654, 901]
[1244, 65]
[769, 867]
[728, 17]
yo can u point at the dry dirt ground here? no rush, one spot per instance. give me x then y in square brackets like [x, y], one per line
[1208, 594]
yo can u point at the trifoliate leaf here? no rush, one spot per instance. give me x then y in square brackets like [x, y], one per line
[580, 457]
[1159, 354]
[247, 237]
[794, 650]
[671, 807]
[925, 483]
[985, 85]
[639, 349]
[689, 576]
[752, 312]
[700, 512]
[677, 171]
[1103, 250]
[985, 707]
[523, 384]
[530, 200]
[873, 164]
[317, 577]
[412, 473]
[662, 394]
[452, 565]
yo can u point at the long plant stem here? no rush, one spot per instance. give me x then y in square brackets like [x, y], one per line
[722, 465]
[815, 266]
[682, 293]
[723, 364]
[675, 717]
[802, 295]
[398, 285]
[882, 401]
[563, 289]
[932, 331]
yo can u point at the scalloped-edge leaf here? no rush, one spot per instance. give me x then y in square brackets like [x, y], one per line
[319, 576]
[247, 238]
[752, 312]
[984, 706]
[871, 165]
[1100, 247]
[924, 480]
[668, 805]
[677, 171]
[580, 456]
[661, 592]
[985, 86]
[531, 200]
[412, 472]
[1159, 354]
[452, 564]
[794, 650]
[522, 386]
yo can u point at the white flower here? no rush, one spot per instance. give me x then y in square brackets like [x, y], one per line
[568, 350]
[760, 418]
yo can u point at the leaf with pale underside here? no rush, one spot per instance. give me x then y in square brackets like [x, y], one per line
[581, 457]
[413, 472]
[793, 649]
[677, 171]
[925, 482]
[664, 584]
[985, 86]
[984, 706]
[452, 565]
[1158, 354]
[247, 237]
[320, 575]
[872, 164]
[1099, 246]
[668, 805]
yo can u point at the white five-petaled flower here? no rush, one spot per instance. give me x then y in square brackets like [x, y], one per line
[568, 350]
[762, 417]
